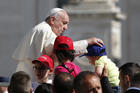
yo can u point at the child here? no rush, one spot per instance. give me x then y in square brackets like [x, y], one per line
[43, 69]
[98, 57]
[64, 50]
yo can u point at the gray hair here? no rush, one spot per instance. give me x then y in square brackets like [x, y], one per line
[53, 12]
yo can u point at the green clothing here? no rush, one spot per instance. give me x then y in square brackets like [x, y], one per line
[113, 71]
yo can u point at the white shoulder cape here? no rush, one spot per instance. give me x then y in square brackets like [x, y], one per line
[34, 42]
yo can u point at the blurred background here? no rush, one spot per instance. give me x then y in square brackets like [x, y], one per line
[116, 22]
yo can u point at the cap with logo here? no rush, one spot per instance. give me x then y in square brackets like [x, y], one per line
[46, 60]
[63, 40]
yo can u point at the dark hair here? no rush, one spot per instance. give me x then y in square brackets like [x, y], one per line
[136, 79]
[44, 88]
[20, 83]
[129, 69]
[64, 54]
[63, 83]
[79, 80]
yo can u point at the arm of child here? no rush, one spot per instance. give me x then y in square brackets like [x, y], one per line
[104, 72]
[98, 70]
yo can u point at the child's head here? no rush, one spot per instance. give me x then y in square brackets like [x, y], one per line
[63, 48]
[43, 68]
[95, 52]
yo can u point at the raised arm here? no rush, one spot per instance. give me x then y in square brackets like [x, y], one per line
[81, 45]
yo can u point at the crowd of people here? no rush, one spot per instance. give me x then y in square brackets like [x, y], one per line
[46, 63]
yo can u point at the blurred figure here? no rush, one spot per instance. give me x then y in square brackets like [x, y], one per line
[87, 82]
[44, 88]
[43, 69]
[97, 56]
[20, 83]
[4, 82]
[129, 79]
[64, 50]
[63, 83]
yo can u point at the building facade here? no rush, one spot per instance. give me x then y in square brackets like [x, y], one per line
[121, 37]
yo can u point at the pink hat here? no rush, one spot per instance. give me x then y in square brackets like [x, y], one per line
[63, 40]
[46, 60]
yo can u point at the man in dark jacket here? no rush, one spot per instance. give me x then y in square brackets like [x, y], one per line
[135, 84]
[130, 78]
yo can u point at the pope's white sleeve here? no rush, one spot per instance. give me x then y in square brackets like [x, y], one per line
[80, 47]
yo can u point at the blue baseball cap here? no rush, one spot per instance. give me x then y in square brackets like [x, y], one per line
[4, 81]
[95, 50]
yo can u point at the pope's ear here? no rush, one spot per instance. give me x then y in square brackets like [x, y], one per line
[52, 19]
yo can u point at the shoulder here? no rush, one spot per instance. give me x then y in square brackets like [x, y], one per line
[34, 85]
[43, 25]
[71, 65]
[133, 91]
[100, 62]
[59, 69]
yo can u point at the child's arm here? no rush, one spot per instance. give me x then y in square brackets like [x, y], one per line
[104, 72]
[98, 70]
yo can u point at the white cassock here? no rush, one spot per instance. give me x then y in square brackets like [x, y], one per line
[37, 42]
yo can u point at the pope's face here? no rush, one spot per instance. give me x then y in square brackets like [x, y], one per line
[60, 23]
